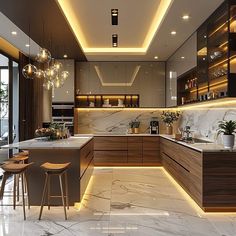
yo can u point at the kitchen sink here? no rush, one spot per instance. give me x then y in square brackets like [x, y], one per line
[196, 140]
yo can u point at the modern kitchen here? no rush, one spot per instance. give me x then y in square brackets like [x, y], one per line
[118, 117]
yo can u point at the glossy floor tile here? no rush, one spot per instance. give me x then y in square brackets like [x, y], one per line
[121, 201]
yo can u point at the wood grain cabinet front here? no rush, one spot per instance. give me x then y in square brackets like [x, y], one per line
[135, 150]
[127, 151]
[110, 143]
[151, 151]
[185, 165]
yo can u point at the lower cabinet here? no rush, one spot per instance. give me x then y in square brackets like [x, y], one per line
[127, 151]
[185, 165]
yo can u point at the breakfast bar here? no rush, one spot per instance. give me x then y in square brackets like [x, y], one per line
[76, 150]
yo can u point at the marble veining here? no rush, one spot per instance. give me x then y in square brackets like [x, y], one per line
[203, 121]
[122, 201]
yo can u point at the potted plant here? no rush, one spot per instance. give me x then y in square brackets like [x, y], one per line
[134, 126]
[227, 128]
[169, 118]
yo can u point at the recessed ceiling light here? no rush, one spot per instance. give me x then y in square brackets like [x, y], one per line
[14, 33]
[185, 17]
[156, 57]
[27, 45]
[114, 40]
[65, 56]
[182, 57]
[204, 36]
[173, 32]
[114, 16]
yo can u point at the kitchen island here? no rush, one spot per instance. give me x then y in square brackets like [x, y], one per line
[76, 150]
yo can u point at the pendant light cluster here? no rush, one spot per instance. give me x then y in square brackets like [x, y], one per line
[54, 76]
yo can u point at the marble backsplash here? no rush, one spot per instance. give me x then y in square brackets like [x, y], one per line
[203, 122]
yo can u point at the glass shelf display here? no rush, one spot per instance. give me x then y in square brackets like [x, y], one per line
[107, 101]
[216, 57]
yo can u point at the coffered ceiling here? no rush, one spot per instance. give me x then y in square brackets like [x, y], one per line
[82, 28]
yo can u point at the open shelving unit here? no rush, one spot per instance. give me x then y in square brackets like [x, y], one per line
[107, 101]
[216, 58]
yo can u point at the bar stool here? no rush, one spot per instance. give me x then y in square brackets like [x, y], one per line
[20, 158]
[15, 169]
[59, 170]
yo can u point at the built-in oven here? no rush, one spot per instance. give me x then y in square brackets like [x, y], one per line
[63, 113]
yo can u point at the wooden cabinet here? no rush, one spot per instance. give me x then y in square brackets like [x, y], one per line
[185, 165]
[109, 143]
[86, 155]
[127, 151]
[151, 151]
[135, 150]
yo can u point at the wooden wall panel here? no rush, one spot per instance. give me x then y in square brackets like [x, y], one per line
[30, 102]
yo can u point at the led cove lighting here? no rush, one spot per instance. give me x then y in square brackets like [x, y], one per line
[71, 16]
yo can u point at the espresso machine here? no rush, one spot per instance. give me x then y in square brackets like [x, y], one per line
[154, 126]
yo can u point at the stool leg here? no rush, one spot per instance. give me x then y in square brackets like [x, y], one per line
[23, 195]
[49, 192]
[67, 195]
[5, 176]
[27, 188]
[14, 190]
[62, 195]
[18, 187]
[43, 197]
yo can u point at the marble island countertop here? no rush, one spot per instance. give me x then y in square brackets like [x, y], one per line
[70, 143]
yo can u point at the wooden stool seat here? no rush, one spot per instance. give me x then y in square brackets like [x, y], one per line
[19, 158]
[15, 168]
[52, 167]
[60, 170]
[23, 153]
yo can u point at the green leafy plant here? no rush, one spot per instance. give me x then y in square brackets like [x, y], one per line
[226, 127]
[134, 124]
[169, 117]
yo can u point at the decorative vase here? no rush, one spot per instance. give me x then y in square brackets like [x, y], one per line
[169, 129]
[228, 141]
[136, 130]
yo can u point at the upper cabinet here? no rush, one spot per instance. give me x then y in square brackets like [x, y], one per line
[120, 84]
[216, 59]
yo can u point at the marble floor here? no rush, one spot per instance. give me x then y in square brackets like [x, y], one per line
[122, 201]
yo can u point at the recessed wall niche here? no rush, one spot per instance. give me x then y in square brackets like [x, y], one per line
[147, 79]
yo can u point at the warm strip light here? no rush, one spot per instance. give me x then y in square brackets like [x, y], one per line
[129, 84]
[78, 205]
[202, 52]
[219, 63]
[67, 8]
[218, 83]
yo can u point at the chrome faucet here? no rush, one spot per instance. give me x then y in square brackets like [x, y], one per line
[187, 134]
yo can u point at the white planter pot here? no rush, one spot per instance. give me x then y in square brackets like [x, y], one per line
[228, 141]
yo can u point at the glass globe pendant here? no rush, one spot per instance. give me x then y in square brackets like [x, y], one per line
[44, 56]
[64, 75]
[50, 73]
[40, 74]
[29, 71]
[48, 85]
[57, 65]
